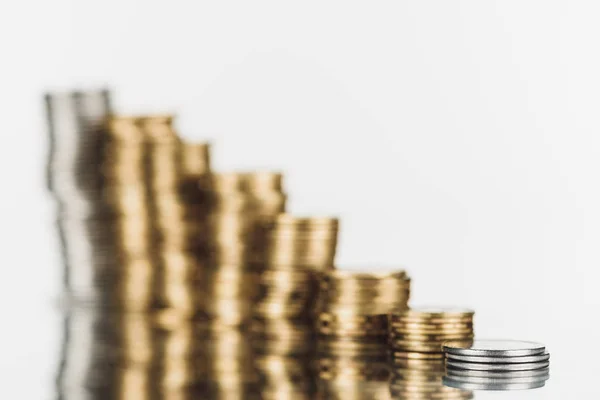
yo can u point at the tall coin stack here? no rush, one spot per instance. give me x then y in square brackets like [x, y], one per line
[234, 248]
[422, 379]
[77, 136]
[419, 333]
[352, 310]
[158, 224]
[299, 249]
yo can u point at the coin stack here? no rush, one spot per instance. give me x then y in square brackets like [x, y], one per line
[77, 136]
[496, 365]
[145, 165]
[422, 379]
[234, 248]
[419, 333]
[352, 310]
[298, 250]
[302, 242]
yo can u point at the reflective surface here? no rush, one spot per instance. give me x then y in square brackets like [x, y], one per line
[110, 356]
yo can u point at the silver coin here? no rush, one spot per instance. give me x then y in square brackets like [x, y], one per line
[497, 367]
[498, 374]
[494, 348]
[497, 381]
[485, 386]
[499, 360]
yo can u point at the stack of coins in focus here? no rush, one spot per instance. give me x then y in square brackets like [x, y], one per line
[496, 365]
[352, 310]
[298, 250]
[234, 248]
[421, 378]
[419, 333]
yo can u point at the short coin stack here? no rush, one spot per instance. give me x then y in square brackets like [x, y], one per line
[352, 310]
[419, 333]
[496, 365]
[422, 379]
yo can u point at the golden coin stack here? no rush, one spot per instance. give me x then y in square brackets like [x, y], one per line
[352, 310]
[146, 163]
[298, 250]
[301, 242]
[419, 333]
[422, 379]
[233, 246]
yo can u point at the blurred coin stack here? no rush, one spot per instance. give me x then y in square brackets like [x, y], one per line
[76, 124]
[234, 249]
[145, 165]
[421, 378]
[352, 310]
[298, 250]
[419, 333]
[128, 228]
[496, 365]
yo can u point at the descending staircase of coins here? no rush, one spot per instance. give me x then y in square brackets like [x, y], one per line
[183, 282]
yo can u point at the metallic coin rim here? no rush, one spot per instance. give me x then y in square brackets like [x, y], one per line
[458, 348]
[478, 386]
[497, 374]
[497, 367]
[499, 360]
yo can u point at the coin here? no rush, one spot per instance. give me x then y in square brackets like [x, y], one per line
[497, 367]
[497, 374]
[438, 312]
[496, 380]
[499, 386]
[500, 348]
[499, 360]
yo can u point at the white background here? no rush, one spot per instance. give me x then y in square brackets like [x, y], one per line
[457, 138]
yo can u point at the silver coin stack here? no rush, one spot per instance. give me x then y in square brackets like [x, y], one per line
[77, 129]
[496, 365]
